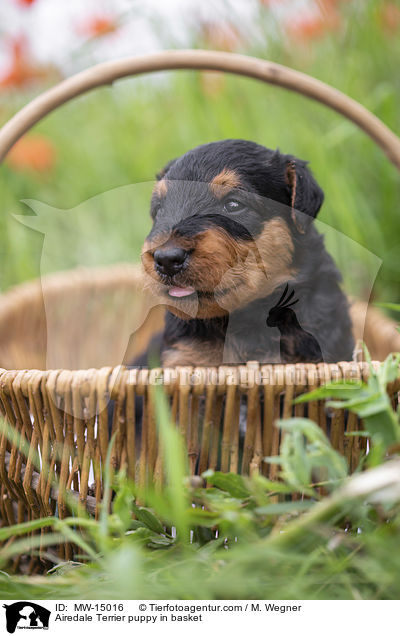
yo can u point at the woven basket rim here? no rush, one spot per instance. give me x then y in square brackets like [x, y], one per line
[256, 68]
[100, 275]
[241, 375]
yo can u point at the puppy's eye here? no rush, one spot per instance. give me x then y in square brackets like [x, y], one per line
[231, 205]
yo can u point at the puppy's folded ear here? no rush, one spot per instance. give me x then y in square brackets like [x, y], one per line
[160, 175]
[306, 197]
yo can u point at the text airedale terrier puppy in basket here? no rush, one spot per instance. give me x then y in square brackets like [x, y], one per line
[235, 255]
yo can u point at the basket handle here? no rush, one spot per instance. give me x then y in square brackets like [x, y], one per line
[263, 70]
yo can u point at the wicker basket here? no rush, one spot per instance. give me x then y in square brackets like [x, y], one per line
[63, 414]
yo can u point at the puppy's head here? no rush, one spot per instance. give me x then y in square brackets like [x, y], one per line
[226, 220]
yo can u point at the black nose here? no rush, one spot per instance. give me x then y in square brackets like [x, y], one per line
[170, 260]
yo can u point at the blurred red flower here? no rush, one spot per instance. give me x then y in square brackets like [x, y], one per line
[26, 2]
[220, 36]
[22, 70]
[98, 25]
[33, 153]
[315, 24]
[390, 17]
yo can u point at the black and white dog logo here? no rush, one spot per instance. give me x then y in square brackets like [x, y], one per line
[26, 615]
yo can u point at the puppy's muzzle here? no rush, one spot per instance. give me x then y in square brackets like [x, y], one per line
[170, 260]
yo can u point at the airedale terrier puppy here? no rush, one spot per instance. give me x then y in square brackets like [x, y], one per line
[232, 228]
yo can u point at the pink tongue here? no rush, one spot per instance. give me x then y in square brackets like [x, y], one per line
[180, 292]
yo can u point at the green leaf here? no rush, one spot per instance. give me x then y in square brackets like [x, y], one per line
[229, 482]
[305, 453]
[63, 568]
[136, 524]
[341, 390]
[25, 545]
[201, 517]
[272, 486]
[284, 507]
[389, 370]
[149, 519]
[141, 535]
[122, 504]
[104, 506]
[172, 446]
[28, 526]
[369, 401]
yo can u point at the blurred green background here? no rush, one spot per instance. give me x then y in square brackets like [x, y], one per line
[123, 135]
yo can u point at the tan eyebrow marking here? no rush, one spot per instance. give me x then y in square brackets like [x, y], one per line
[161, 188]
[224, 181]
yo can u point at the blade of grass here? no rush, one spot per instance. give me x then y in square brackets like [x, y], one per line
[175, 463]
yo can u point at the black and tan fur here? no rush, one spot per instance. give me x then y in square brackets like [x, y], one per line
[234, 221]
